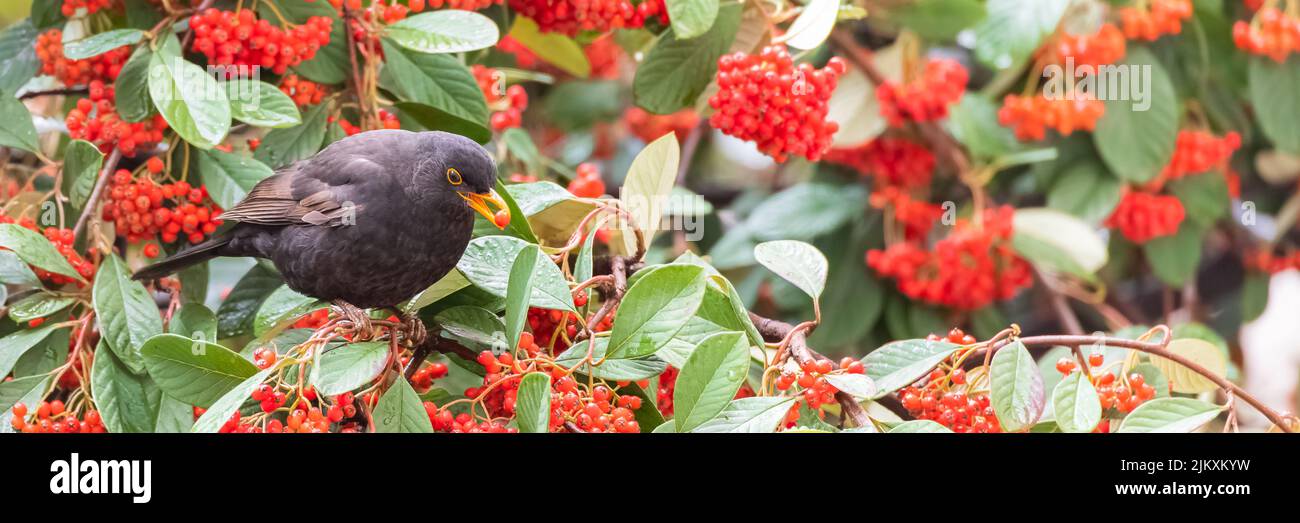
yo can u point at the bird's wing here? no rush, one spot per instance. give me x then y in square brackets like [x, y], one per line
[317, 191]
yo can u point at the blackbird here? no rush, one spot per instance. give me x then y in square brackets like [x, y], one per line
[367, 222]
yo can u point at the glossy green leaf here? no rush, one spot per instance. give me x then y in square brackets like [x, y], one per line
[14, 345]
[533, 403]
[282, 147]
[920, 426]
[347, 367]
[1016, 388]
[131, 89]
[487, 262]
[126, 312]
[677, 70]
[18, 131]
[261, 104]
[221, 410]
[519, 292]
[444, 31]
[282, 307]
[756, 415]
[655, 308]
[449, 97]
[194, 371]
[710, 379]
[1170, 415]
[100, 43]
[1076, 404]
[400, 410]
[1136, 137]
[797, 262]
[230, 176]
[127, 402]
[192, 101]
[692, 18]
[898, 364]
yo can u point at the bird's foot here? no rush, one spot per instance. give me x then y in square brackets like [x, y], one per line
[413, 329]
[358, 322]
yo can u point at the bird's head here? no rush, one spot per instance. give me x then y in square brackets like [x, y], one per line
[463, 168]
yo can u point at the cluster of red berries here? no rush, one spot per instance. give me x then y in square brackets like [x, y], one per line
[444, 421]
[239, 38]
[1161, 17]
[141, 208]
[894, 162]
[969, 269]
[105, 66]
[303, 92]
[1106, 46]
[1142, 216]
[925, 99]
[51, 417]
[546, 324]
[649, 126]
[1030, 116]
[312, 320]
[814, 389]
[587, 183]
[423, 378]
[780, 106]
[387, 120]
[1124, 396]
[62, 239]
[507, 104]
[945, 397]
[1266, 261]
[917, 216]
[95, 119]
[604, 55]
[1272, 33]
[269, 398]
[70, 7]
[1196, 152]
[573, 16]
[264, 357]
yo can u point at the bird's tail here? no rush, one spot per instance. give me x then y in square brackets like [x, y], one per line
[198, 254]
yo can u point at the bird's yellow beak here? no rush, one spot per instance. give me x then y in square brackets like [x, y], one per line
[480, 203]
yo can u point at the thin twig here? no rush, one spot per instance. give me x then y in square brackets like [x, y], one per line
[109, 166]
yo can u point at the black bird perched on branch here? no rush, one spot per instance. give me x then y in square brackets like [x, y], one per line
[368, 222]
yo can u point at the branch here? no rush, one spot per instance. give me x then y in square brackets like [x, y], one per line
[776, 330]
[53, 92]
[104, 174]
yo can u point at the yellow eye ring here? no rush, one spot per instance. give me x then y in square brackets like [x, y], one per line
[453, 177]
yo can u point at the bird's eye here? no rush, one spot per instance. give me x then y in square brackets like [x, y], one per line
[453, 177]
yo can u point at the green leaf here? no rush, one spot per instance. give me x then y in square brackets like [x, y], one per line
[174, 416]
[553, 48]
[230, 176]
[194, 371]
[450, 283]
[400, 410]
[14, 271]
[39, 305]
[475, 327]
[487, 262]
[14, 345]
[973, 121]
[18, 131]
[648, 182]
[919, 426]
[806, 211]
[126, 312]
[35, 250]
[710, 379]
[191, 100]
[676, 71]
[16, 390]
[519, 292]
[1170, 415]
[261, 104]
[1202, 352]
[235, 315]
[127, 402]
[940, 20]
[1014, 29]
[691, 18]
[797, 262]
[611, 369]
[281, 147]
[655, 308]
[813, 25]
[1136, 141]
[194, 321]
[348, 367]
[448, 96]
[1076, 405]
[1174, 258]
[533, 403]
[131, 89]
[444, 31]
[1254, 296]
[282, 307]
[857, 385]
[81, 164]
[20, 64]
[1275, 93]
[221, 410]
[898, 364]
[1016, 388]
[1204, 197]
[1058, 242]
[756, 415]
[1086, 190]
[100, 43]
